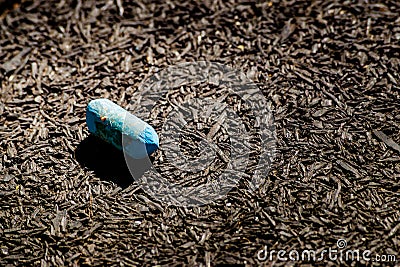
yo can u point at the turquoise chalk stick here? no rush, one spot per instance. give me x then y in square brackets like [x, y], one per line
[120, 128]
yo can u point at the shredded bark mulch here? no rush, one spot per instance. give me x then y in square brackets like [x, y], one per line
[329, 69]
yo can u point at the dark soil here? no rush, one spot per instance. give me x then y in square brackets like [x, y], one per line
[330, 70]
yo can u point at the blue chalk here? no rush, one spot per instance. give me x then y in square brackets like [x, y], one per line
[120, 128]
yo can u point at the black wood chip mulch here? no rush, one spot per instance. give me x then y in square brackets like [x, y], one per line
[330, 70]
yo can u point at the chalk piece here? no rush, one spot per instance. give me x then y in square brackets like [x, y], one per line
[111, 123]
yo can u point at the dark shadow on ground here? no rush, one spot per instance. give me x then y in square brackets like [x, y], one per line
[108, 163]
[8, 5]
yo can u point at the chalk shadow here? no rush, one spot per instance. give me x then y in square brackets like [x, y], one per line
[108, 163]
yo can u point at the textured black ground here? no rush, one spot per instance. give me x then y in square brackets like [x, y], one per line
[330, 70]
